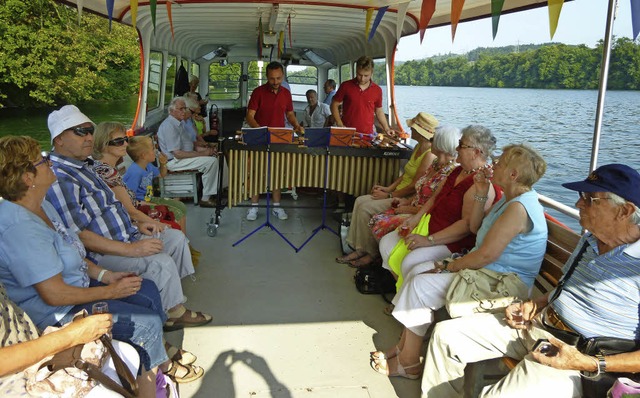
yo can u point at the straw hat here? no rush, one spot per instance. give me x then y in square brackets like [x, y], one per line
[424, 123]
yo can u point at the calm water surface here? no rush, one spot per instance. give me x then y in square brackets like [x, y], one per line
[559, 123]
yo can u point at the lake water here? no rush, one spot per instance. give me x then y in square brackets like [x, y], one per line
[558, 123]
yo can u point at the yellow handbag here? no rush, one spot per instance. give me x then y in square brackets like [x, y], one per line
[400, 251]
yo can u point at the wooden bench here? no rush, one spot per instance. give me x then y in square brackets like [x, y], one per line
[560, 244]
[180, 184]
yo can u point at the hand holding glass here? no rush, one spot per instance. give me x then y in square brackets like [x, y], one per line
[516, 312]
[100, 307]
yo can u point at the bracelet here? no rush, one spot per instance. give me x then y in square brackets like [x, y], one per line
[592, 375]
[480, 199]
[101, 274]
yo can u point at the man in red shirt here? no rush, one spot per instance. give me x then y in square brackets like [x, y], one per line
[361, 98]
[268, 106]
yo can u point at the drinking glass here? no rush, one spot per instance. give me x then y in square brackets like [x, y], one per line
[516, 312]
[100, 307]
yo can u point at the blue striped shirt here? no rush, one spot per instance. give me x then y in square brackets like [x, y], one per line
[602, 296]
[85, 202]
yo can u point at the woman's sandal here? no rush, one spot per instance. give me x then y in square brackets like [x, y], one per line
[188, 319]
[377, 355]
[183, 373]
[346, 259]
[179, 355]
[401, 371]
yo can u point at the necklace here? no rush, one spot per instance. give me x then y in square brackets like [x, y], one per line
[467, 172]
[437, 166]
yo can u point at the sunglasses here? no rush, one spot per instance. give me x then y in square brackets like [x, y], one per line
[82, 131]
[118, 141]
[46, 158]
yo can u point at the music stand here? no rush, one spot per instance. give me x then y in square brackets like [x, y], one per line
[267, 223]
[323, 224]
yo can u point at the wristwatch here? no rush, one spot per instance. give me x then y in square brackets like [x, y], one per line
[602, 364]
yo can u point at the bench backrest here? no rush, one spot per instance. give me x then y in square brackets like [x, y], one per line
[560, 244]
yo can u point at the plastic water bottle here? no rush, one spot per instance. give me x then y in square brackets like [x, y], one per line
[344, 230]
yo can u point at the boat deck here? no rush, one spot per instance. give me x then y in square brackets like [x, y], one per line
[285, 324]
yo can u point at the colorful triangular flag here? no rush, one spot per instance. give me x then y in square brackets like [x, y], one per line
[635, 18]
[80, 6]
[134, 12]
[110, 12]
[367, 22]
[401, 14]
[456, 12]
[555, 7]
[426, 12]
[376, 22]
[289, 24]
[281, 44]
[496, 9]
[173, 37]
[153, 5]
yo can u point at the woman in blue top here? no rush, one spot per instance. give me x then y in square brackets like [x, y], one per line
[510, 239]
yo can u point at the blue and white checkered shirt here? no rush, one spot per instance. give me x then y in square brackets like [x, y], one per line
[85, 202]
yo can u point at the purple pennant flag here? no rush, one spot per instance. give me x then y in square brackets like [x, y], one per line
[635, 17]
[377, 21]
[110, 12]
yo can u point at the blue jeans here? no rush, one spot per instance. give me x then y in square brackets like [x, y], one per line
[137, 320]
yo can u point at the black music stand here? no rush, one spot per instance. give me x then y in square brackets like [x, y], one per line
[268, 207]
[323, 225]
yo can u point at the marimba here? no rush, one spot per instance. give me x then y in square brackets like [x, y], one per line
[350, 170]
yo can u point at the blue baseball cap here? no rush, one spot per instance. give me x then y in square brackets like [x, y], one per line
[616, 178]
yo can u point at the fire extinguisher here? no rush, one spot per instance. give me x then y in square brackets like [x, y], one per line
[213, 118]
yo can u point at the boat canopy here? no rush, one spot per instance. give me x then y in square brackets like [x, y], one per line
[314, 32]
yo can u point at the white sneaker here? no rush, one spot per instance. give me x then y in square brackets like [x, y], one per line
[252, 214]
[280, 213]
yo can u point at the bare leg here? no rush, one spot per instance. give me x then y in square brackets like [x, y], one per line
[254, 198]
[147, 383]
[276, 196]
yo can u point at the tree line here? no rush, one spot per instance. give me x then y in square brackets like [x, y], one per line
[552, 66]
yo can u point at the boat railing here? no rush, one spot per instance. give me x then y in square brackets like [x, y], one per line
[562, 208]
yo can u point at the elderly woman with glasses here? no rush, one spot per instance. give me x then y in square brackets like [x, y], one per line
[110, 144]
[511, 239]
[44, 269]
[450, 210]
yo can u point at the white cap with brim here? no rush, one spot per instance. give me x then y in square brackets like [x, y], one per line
[64, 118]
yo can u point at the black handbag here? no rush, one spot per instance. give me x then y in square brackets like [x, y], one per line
[374, 280]
[598, 386]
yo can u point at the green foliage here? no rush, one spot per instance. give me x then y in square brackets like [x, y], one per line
[46, 58]
[550, 66]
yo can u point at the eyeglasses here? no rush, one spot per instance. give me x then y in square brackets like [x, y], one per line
[46, 158]
[589, 199]
[118, 141]
[464, 146]
[82, 131]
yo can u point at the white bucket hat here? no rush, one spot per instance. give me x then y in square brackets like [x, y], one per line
[66, 117]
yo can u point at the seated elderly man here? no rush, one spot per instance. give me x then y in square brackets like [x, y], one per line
[178, 144]
[598, 296]
[89, 207]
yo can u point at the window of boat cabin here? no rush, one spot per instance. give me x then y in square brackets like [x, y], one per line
[333, 74]
[155, 77]
[194, 71]
[380, 78]
[171, 79]
[300, 79]
[345, 72]
[224, 81]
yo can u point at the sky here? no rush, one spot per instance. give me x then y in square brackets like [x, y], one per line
[581, 22]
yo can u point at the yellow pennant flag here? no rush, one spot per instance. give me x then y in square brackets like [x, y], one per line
[134, 12]
[281, 44]
[555, 6]
[367, 27]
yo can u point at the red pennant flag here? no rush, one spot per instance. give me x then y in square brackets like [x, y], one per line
[456, 11]
[173, 37]
[428, 8]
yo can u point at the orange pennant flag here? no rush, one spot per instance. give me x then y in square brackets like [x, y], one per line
[134, 12]
[170, 19]
[555, 6]
[456, 11]
[428, 8]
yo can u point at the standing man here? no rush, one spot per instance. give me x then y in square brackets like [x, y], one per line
[361, 98]
[268, 106]
[315, 114]
[177, 144]
[330, 91]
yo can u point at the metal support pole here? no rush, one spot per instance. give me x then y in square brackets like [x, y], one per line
[602, 86]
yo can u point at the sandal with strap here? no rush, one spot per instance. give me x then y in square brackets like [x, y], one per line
[401, 371]
[183, 373]
[179, 355]
[377, 355]
[362, 262]
[188, 319]
[346, 259]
